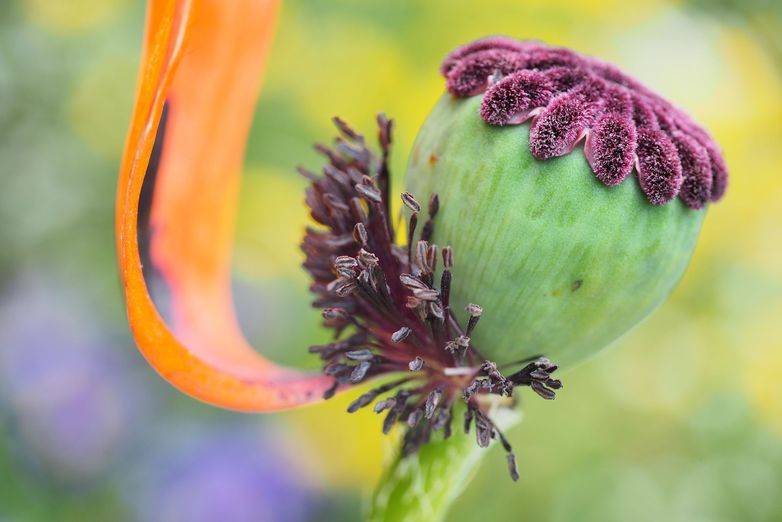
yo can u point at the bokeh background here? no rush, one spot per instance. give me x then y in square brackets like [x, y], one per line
[681, 420]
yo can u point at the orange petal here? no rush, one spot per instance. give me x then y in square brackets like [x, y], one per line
[202, 61]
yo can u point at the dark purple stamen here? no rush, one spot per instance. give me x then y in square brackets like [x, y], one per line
[571, 97]
[386, 309]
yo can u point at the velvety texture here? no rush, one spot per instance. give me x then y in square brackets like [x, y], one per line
[571, 97]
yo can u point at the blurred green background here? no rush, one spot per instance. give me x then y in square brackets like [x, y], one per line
[681, 420]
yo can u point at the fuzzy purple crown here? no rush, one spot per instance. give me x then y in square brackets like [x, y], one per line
[570, 97]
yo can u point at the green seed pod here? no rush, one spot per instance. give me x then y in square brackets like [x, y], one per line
[555, 253]
[561, 263]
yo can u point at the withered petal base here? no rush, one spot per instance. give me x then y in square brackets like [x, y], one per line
[389, 308]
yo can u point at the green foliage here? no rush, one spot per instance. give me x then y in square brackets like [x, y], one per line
[422, 487]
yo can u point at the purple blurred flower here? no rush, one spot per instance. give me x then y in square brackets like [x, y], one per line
[61, 383]
[226, 476]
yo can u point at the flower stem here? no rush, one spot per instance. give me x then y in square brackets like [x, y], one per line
[422, 486]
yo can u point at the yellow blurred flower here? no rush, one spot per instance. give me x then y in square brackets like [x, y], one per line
[353, 460]
[764, 367]
[270, 225]
[71, 16]
[659, 366]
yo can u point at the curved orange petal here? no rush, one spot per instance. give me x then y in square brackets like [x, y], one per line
[201, 67]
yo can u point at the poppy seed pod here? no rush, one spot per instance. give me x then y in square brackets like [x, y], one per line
[565, 250]
[561, 251]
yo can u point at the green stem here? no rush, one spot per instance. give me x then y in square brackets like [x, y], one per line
[421, 487]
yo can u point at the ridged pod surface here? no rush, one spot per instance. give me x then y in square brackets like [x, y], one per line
[562, 262]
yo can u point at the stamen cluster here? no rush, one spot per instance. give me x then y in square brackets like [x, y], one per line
[570, 97]
[389, 306]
